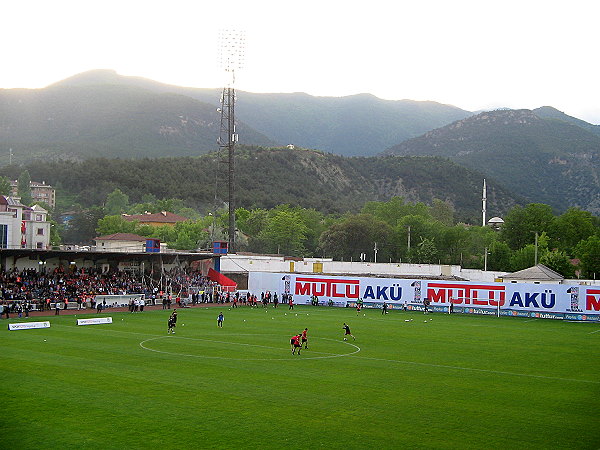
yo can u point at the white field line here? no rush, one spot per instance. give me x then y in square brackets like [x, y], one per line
[498, 372]
[328, 355]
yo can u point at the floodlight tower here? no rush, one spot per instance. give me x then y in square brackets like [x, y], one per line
[231, 57]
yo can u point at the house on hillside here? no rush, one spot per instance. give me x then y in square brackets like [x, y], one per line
[40, 192]
[156, 219]
[539, 274]
[23, 226]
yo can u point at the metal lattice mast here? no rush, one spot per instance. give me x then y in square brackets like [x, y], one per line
[232, 45]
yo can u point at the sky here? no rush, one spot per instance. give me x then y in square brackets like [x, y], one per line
[473, 54]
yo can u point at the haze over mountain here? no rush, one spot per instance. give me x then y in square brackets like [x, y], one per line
[358, 125]
[78, 122]
[543, 155]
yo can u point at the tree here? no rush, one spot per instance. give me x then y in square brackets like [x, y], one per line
[82, 228]
[355, 235]
[252, 222]
[116, 224]
[183, 242]
[588, 252]
[5, 187]
[425, 252]
[453, 243]
[116, 202]
[419, 228]
[571, 227]
[559, 262]
[55, 238]
[285, 233]
[190, 235]
[443, 212]
[315, 225]
[499, 257]
[522, 258]
[395, 209]
[520, 223]
[24, 188]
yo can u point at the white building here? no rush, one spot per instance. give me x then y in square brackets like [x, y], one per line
[23, 226]
[121, 242]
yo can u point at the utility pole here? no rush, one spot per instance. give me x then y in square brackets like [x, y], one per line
[485, 260]
[484, 203]
[375, 249]
[536, 248]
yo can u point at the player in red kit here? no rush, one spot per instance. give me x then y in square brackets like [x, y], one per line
[305, 338]
[295, 342]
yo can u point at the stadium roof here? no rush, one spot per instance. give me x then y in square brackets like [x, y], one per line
[161, 217]
[100, 256]
[121, 237]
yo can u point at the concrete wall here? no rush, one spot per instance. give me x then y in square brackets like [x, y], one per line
[258, 263]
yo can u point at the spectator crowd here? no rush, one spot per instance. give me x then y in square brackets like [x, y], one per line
[24, 290]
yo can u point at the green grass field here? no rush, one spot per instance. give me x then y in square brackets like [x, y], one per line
[450, 382]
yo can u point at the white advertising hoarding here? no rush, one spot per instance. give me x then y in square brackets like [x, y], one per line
[529, 297]
[28, 325]
[94, 321]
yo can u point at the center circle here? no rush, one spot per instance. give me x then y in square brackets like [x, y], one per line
[145, 344]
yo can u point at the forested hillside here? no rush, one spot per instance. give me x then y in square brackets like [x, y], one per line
[269, 177]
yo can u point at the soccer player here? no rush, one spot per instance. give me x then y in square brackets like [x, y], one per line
[220, 320]
[358, 306]
[172, 323]
[295, 342]
[347, 332]
[385, 308]
[305, 338]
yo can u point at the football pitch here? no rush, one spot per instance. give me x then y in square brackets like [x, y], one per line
[409, 380]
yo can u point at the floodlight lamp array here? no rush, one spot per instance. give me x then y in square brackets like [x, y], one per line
[232, 44]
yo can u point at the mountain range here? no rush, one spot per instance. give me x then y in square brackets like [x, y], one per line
[541, 155]
[357, 125]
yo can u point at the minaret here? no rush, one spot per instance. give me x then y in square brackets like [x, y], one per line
[484, 200]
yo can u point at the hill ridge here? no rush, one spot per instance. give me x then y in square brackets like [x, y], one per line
[545, 160]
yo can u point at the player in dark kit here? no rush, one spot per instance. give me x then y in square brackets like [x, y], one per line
[347, 332]
[295, 342]
[172, 323]
[384, 308]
